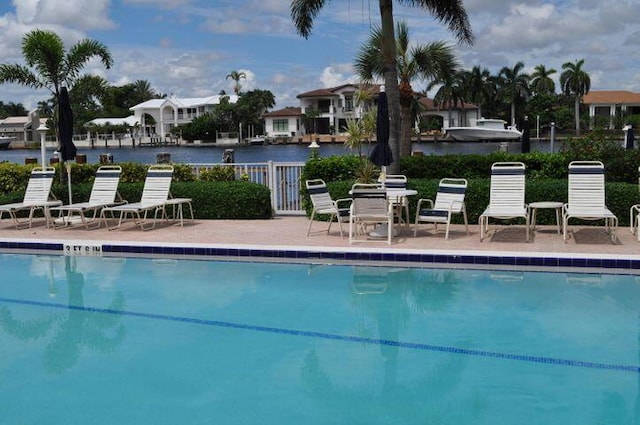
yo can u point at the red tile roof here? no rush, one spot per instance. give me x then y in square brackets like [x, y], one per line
[285, 112]
[331, 91]
[611, 97]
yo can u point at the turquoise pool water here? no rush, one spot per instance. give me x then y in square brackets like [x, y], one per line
[90, 340]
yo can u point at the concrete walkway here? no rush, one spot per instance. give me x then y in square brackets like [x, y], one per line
[291, 232]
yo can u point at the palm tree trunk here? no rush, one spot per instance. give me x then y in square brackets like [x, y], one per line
[391, 82]
[405, 130]
[577, 112]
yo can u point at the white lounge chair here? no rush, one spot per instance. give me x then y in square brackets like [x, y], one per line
[323, 204]
[154, 199]
[369, 207]
[506, 196]
[38, 196]
[104, 193]
[586, 199]
[449, 201]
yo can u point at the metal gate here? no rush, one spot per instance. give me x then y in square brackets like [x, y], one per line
[282, 178]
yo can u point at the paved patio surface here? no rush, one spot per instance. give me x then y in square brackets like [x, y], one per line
[291, 232]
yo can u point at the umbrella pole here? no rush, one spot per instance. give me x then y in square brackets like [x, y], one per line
[68, 165]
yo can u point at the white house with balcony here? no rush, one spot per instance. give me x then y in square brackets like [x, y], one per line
[333, 106]
[172, 111]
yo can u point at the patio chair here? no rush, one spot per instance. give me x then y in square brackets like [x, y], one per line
[38, 196]
[323, 204]
[104, 193]
[506, 196]
[586, 198]
[155, 195]
[400, 203]
[370, 207]
[449, 201]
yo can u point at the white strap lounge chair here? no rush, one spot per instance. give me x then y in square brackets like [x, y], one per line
[38, 196]
[449, 201]
[586, 199]
[369, 207]
[323, 204]
[506, 196]
[154, 199]
[103, 194]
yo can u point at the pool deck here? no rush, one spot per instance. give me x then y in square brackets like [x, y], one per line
[290, 233]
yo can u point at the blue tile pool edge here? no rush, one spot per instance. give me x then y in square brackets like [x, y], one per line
[374, 256]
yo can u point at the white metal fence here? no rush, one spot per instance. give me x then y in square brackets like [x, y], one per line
[282, 178]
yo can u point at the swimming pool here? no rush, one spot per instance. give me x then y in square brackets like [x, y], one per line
[108, 340]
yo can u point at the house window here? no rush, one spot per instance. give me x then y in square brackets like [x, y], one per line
[348, 103]
[324, 106]
[281, 125]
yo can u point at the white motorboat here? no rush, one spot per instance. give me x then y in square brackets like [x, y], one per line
[5, 142]
[484, 129]
[257, 140]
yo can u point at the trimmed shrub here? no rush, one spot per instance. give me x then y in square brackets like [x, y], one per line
[218, 173]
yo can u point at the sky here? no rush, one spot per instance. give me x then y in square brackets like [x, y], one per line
[188, 47]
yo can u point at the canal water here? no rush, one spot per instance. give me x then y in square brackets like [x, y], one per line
[251, 154]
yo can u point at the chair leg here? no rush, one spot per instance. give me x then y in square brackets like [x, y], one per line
[313, 214]
[466, 222]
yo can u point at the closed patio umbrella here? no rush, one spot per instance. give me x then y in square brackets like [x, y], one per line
[381, 154]
[629, 137]
[65, 130]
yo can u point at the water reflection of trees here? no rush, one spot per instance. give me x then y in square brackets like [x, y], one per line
[73, 330]
[389, 299]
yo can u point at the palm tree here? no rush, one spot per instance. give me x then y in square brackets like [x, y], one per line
[450, 12]
[309, 119]
[49, 65]
[142, 91]
[45, 108]
[478, 86]
[236, 77]
[451, 91]
[575, 83]
[429, 61]
[541, 81]
[514, 86]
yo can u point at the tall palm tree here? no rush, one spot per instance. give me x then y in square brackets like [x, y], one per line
[514, 86]
[236, 77]
[575, 83]
[142, 91]
[450, 12]
[541, 81]
[478, 86]
[429, 61]
[451, 92]
[49, 65]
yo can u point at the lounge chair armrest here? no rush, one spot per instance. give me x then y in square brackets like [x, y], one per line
[424, 200]
[346, 201]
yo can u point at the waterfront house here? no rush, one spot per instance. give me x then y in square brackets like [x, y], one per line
[606, 105]
[23, 129]
[158, 116]
[331, 107]
[283, 123]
